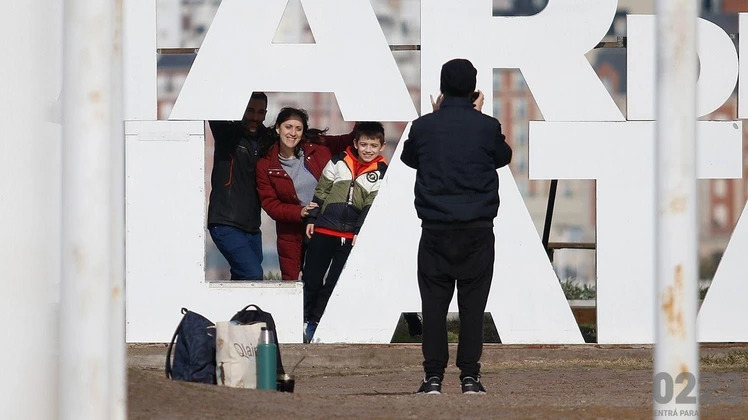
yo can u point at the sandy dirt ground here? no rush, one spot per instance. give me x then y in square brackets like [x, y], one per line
[379, 382]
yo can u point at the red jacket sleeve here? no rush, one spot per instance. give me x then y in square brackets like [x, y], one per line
[275, 208]
[338, 144]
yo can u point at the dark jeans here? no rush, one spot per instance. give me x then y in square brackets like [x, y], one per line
[242, 250]
[323, 252]
[446, 257]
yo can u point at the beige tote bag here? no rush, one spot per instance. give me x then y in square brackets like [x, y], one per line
[236, 354]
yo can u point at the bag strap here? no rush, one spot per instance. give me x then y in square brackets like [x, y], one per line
[257, 308]
[280, 369]
[173, 338]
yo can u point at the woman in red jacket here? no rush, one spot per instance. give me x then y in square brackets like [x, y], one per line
[286, 177]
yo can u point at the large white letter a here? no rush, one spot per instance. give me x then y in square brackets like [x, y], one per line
[350, 58]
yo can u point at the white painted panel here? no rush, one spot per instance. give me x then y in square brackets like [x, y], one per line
[718, 70]
[591, 148]
[139, 57]
[718, 67]
[166, 240]
[380, 281]
[620, 157]
[546, 47]
[350, 58]
[723, 313]
[743, 84]
[640, 67]
[719, 150]
[30, 203]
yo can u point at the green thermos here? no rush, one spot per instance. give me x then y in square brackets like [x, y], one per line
[267, 363]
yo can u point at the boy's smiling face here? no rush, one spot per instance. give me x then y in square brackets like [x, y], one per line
[368, 148]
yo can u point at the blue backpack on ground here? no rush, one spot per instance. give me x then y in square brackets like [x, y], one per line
[195, 352]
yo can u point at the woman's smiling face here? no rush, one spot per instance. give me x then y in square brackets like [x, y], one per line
[290, 132]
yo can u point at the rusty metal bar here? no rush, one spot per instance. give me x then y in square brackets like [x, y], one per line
[570, 245]
[88, 119]
[117, 319]
[168, 51]
[676, 362]
[411, 47]
[620, 42]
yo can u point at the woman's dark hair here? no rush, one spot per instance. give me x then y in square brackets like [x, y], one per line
[308, 135]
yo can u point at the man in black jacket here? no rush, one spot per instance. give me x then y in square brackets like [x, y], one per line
[455, 151]
[234, 209]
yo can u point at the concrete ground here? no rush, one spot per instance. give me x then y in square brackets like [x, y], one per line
[379, 381]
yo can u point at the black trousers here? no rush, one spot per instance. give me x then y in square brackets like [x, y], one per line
[446, 257]
[323, 252]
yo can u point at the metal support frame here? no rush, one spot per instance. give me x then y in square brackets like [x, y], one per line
[549, 217]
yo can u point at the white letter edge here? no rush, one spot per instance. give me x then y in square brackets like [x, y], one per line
[619, 155]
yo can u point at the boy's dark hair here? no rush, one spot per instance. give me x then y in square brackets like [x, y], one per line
[369, 129]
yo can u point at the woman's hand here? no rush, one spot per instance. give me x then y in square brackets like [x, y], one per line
[306, 209]
[309, 230]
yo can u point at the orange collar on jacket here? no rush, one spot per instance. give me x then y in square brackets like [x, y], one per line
[357, 167]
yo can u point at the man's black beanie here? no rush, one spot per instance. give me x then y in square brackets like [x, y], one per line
[458, 78]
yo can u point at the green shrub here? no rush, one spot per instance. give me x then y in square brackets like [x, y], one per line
[574, 291]
[272, 275]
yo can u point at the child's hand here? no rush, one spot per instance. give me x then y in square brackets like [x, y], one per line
[309, 230]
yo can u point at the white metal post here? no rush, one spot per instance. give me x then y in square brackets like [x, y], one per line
[676, 389]
[29, 207]
[118, 347]
[85, 359]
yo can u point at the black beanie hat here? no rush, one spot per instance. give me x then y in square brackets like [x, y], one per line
[458, 78]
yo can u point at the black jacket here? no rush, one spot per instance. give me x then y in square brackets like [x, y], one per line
[233, 199]
[456, 151]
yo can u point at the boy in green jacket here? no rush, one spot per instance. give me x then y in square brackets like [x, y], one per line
[344, 194]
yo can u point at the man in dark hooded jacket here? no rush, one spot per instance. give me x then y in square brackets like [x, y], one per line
[455, 151]
[234, 208]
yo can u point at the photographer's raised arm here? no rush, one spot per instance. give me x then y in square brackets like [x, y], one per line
[503, 153]
[410, 152]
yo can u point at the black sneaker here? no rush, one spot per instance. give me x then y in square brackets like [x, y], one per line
[432, 385]
[472, 385]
